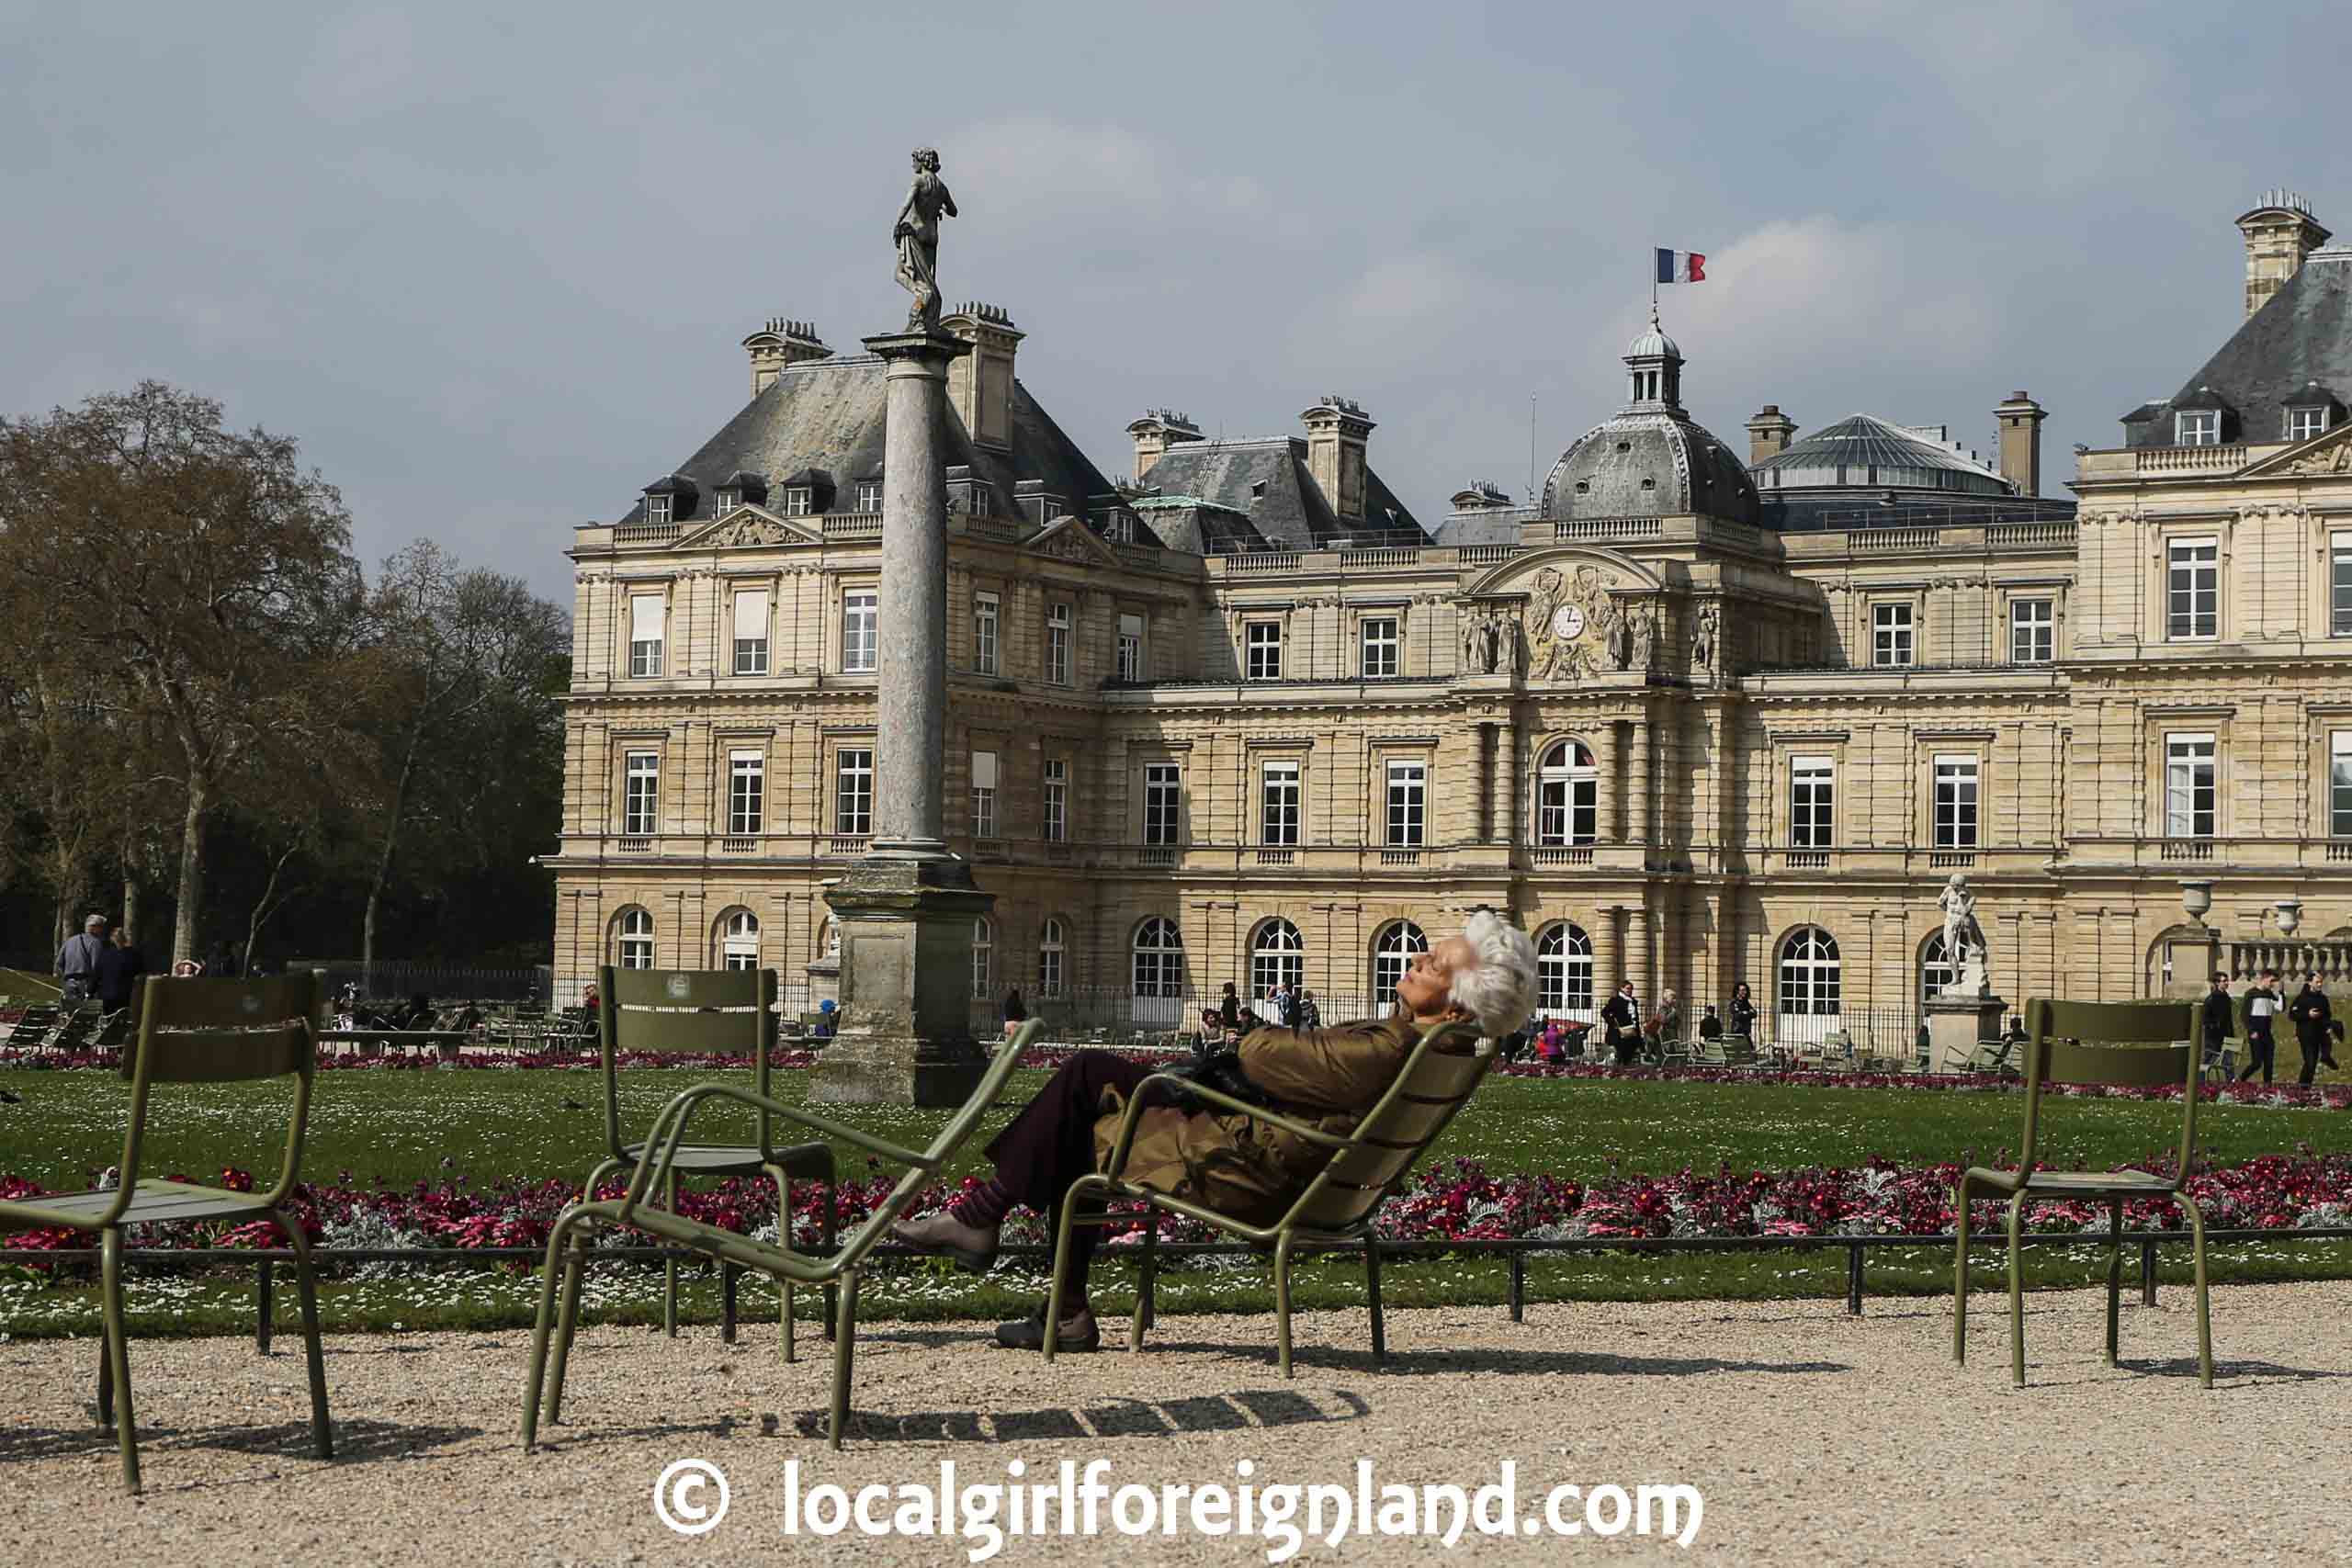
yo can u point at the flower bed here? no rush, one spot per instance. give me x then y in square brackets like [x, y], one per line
[1452, 1201]
[2319, 1096]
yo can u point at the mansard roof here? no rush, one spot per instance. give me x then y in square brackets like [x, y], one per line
[2302, 334]
[1266, 480]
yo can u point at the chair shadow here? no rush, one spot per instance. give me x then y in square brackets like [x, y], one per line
[1477, 1358]
[355, 1442]
[2251, 1371]
[1238, 1411]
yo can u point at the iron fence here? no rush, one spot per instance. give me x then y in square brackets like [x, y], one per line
[388, 977]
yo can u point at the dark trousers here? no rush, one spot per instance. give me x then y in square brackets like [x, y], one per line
[2260, 1051]
[2314, 1046]
[1051, 1143]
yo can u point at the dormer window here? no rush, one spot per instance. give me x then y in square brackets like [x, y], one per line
[869, 495]
[657, 509]
[729, 501]
[2197, 427]
[2303, 424]
[797, 501]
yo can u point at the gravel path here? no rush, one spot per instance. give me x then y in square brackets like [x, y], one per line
[1814, 1438]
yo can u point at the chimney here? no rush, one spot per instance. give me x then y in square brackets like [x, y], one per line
[1480, 495]
[980, 383]
[2020, 420]
[1336, 432]
[1768, 434]
[1156, 432]
[2279, 233]
[778, 344]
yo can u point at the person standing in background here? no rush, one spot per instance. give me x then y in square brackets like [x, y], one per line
[1622, 1018]
[120, 969]
[1742, 1012]
[2262, 1006]
[2311, 1015]
[77, 961]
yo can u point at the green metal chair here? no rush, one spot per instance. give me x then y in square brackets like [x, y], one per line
[1337, 1208]
[722, 1011]
[197, 1031]
[2093, 1043]
[655, 1166]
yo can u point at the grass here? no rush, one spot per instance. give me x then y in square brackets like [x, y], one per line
[488, 1126]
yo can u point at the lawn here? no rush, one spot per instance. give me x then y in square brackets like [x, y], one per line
[491, 1126]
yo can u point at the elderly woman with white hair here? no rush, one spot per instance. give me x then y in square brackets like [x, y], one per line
[1232, 1163]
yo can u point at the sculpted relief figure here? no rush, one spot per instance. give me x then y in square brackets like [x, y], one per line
[1704, 632]
[916, 235]
[1644, 634]
[1469, 624]
[1963, 938]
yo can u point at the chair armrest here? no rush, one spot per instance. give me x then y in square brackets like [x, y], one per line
[669, 1131]
[1118, 1161]
[1999, 1181]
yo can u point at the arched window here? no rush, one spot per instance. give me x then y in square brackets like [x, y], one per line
[1563, 971]
[829, 938]
[1158, 972]
[983, 955]
[1567, 795]
[739, 939]
[1936, 970]
[633, 939]
[1050, 948]
[1392, 955]
[1277, 957]
[1809, 985]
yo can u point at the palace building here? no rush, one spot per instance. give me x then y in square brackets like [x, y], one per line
[1691, 720]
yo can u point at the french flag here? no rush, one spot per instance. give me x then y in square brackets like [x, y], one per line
[1681, 267]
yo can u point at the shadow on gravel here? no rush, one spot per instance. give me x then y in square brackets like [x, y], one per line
[1241, 1410]
[1528, 1363]
[355, 1442]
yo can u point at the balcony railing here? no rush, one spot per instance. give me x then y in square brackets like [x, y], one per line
[2190, 459]
[848, 844]
[1264, 560]
[1573, 854]
[738, 844]
[1400, 857]
[1607, 528]
[1487, 554]
[1277, 857]
[634, 846]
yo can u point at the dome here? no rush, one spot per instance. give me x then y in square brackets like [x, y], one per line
[1649, 462]
[1653, 344]
[1862, 452]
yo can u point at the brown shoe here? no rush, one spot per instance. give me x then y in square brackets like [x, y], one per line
[942, 1232]
[1078, 1331]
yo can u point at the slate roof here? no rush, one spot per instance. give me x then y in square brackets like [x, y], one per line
[1867, 452]
[2303, 333]
[1266, 480]
[1651, 460]
[826, 416]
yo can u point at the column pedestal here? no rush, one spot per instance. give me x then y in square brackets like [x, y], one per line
[905, 1036]
[1957, 1025]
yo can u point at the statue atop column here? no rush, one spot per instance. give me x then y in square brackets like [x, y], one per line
[1963, 938]
[917, 236]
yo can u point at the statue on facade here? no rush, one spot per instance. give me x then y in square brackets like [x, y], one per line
[916, 235]
[1616, 635]
[1963, 938]
[1468, 621]
[1704, 631]
[1644, 636]
[1490, 637]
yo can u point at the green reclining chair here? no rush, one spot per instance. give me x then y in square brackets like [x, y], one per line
[1337, 1208]
[197, 1031]
[655, 1163]
[2093, 1043]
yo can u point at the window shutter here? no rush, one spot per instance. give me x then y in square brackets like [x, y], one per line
[1131, 626]
[645, 617]
[984, 770]
[752, 611]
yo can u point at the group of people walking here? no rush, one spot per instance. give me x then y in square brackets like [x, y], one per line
[2317, 1029]
[94, 966]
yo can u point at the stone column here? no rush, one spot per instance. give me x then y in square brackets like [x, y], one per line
[1641, 956]
[1608, 955]
[1506, 806]
[1489, 824]
[906, 911]
[1638, 784]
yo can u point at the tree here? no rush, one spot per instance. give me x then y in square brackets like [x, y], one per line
[463, 659]
[199, 574]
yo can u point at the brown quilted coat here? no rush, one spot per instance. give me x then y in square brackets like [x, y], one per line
[1326, 1078]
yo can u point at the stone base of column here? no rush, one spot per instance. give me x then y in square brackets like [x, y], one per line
[1957, 1025]
[905, 1035]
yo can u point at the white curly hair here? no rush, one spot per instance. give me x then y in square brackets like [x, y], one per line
[1499, 988]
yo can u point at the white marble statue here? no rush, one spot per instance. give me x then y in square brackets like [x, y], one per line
[1963, 938]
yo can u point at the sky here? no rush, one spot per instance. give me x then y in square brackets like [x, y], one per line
[491, 265]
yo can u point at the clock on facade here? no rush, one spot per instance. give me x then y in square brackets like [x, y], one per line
[1567, 622]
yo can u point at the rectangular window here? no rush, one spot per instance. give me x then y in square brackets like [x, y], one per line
[869, 495]
[1264, 642]
[2189, 786]
[640, 790]
[2033, 631]
[645, 634]
[2193, 589]
[1130, 647]
[1407, 803]
[1057, 628]
[861, 615]
[750, 631]
[984, 795]
[2339, 784]
[797, 500]
[1379, 645]
[1891, 636]
[657, 509]
[2198, 427]
[746, 793]
[1278, 804]
[2304, 423]
[1163, 803]
[984, 625]
[1955, 806]
[853, 792]
[1056, 800]
[1813, 802]
[2340, 585]
[728, 501]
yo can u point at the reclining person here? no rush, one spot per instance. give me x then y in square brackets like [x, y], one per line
[1224, 1160]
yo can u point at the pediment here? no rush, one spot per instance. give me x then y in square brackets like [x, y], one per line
[2327, 453]
[1613, 572]
[748, 526]
[1069, 538]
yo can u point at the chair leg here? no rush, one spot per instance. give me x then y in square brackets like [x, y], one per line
[783, 1239]
[2204, 1307]
[119, 1354]
[1143, 1281]
[1281, 1303]
[2017, 1293]
[1062, 1228]
[567, 1324]
[1371, 1292]
[1960, 1276]
[670, 1264]
[830, 1244]
[306, 1287]
[845, 1355]
[2114, 1281]
[535, 1380]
